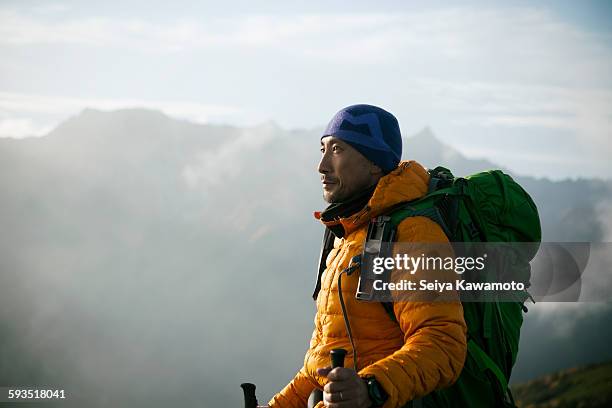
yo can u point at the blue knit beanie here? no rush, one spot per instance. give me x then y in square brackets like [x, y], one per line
[372, 131]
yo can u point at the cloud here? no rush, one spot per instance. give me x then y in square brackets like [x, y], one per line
[458, 35]
[50, 8]
[308, 35]
[586, 112]
[19, 128]
[222, 165]
[14, 106]
[563, 317]
[260, 232]
[604, 215]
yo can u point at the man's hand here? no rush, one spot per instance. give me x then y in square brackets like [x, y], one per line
[345, 389]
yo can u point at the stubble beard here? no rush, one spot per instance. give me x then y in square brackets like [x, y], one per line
[334, 198]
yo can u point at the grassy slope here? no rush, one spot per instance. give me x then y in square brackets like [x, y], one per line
[589, 386]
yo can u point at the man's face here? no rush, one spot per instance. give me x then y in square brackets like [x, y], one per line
[344, 171]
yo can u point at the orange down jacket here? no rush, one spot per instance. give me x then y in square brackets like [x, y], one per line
[423, 351]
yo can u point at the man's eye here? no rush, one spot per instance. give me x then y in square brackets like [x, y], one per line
[322, 150]
[336, 149]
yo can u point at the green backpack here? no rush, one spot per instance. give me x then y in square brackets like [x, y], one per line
[484, 207]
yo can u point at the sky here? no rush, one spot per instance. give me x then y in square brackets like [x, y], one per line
[525, 85]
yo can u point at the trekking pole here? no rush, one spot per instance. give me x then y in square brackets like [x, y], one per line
[337, 357]
[337, 360]
[250, 400]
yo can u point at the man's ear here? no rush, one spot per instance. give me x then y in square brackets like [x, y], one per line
[375, 170]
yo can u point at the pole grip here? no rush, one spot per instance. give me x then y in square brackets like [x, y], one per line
[337, 357]
[250, 400]
[337, 360]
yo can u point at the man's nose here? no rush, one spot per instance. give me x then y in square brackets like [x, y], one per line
[324, 165]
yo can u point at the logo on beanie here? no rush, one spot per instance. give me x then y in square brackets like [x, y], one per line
[366, 124]
[363, 129]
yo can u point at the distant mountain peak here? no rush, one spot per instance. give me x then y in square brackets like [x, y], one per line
[96, 127]
[426, 148]
[427, 136]
[426, 132]
[136, 113]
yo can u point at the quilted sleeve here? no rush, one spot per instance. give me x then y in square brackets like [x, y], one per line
[295, 394]
[434, 347]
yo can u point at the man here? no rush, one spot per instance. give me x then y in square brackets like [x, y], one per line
[397, 361]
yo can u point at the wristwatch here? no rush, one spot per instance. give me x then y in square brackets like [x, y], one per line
[376, 392]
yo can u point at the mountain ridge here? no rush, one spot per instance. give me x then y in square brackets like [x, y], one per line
[415, 144]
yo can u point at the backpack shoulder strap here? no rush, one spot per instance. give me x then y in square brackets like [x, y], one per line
[440, 184]
[426, 208]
